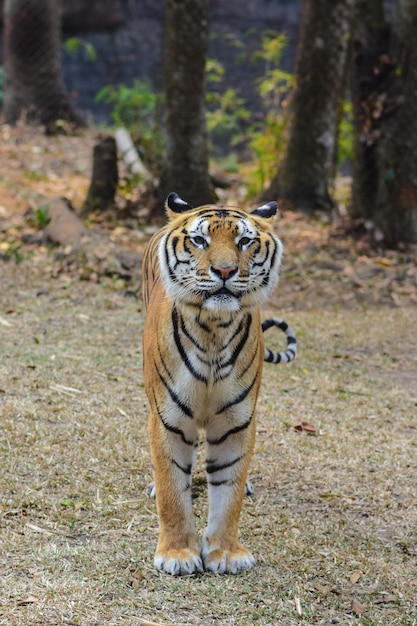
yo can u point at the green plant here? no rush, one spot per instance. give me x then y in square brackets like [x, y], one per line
[345, 138]
[39, 218]
[230, 122]
[227, 116]
[267, 144]
[42, 217]
[268, 135]
[135, 108]
[73, 44]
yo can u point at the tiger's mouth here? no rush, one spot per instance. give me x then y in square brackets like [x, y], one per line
[221, 300]
[224, 291]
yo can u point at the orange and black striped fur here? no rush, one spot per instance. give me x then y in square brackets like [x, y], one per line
[205, 274]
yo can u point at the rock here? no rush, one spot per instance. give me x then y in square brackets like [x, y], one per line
[65, 227]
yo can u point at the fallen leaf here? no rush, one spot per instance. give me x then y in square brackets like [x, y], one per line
[306, 427]
[357, 607]
[354, 577]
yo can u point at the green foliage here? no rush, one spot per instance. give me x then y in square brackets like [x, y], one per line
[42, 218]
[268, 135]
[230, 122]
[267, 145]
[227, 115]
[39, 217]
[135, 108]
[345, 144]
[73, 44]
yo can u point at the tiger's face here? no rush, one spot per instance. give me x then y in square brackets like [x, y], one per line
[219, 258]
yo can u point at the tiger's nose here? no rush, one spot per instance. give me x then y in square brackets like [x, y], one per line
[224, 271]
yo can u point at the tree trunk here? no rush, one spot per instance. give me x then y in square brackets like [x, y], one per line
[33, 83]
[396, 201]
[306, 172]
[370, 71]
[104, 178]
[185, 165]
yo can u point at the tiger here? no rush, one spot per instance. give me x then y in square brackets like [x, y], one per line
[205, 275]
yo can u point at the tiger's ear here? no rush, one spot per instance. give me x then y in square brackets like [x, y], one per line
[174, 204]
[267, 210]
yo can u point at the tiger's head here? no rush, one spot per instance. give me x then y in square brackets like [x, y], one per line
[219, 258]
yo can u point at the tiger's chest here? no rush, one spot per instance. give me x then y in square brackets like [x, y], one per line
[209, 360]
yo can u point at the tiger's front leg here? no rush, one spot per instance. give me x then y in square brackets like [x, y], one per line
[178, 551]
[222, 551]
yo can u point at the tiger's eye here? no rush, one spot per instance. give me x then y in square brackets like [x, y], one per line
[199, 241]
[244, 242]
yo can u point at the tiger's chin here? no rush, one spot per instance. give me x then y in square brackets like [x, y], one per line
[222, 303]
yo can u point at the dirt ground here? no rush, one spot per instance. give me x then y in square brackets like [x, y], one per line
[333, 520]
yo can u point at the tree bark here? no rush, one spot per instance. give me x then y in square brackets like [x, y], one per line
[185, 164]
[396, 199]
[33, 82]
[104, 178]
[306, 172]
[371, 69]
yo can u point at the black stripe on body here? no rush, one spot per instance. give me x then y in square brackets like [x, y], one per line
[212, 467]
[201, 324]
[235, 334]
[174, 396]
[185, 469]
[237, 399]
[243, 372]
[163, 362]
[232, 431]
[232, 360]
[150, 263]
[181, 349]
[226, 324]
[173, 429]
[189, 336]
[241, 343]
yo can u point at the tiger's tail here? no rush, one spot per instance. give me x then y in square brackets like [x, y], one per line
[290, 353]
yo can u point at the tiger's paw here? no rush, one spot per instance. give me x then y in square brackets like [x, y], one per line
[220, 561]
[182, 562]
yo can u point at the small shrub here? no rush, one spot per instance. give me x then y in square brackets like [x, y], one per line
[135, 108]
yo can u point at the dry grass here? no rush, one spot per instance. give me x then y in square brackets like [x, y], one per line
[333, 521]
